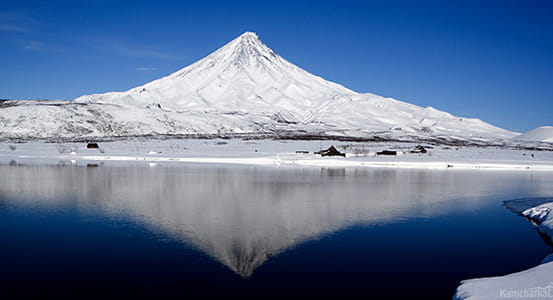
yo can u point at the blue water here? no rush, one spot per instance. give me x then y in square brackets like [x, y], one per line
[196, 230]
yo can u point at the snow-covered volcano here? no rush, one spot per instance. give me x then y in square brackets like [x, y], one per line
[243, 76]
[243, 88]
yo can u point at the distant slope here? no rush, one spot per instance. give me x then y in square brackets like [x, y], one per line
[242, 88]
[540, 134]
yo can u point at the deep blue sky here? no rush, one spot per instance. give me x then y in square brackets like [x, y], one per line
[487, 59]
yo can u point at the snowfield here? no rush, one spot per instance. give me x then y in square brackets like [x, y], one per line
[243, 88]
[534, 283]
[277, 152]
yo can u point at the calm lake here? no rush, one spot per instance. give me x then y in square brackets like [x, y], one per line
[249, 231]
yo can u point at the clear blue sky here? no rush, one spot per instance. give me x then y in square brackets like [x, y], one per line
[487, 59]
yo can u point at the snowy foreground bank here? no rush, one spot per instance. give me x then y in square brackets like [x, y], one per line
[534, 283]
[276, 152]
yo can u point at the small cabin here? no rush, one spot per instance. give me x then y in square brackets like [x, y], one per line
[332, 151]
[387, 152]
[418, 149]
[92, 146]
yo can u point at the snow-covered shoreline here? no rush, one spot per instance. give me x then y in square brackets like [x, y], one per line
[534, 283]
[278, 152]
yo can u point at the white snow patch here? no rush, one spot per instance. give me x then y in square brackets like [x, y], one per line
[534, 283]
[543, 217]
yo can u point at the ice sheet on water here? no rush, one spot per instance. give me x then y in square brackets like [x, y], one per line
[520, 205]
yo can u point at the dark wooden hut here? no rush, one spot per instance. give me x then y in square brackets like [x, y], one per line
[332, 151]
[92, 146]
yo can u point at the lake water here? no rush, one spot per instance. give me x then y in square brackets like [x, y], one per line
[187, 230]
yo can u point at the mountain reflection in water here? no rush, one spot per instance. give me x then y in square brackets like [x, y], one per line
[242, 216]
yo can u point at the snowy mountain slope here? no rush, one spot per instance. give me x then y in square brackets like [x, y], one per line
[242, 88]
[540, 134]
